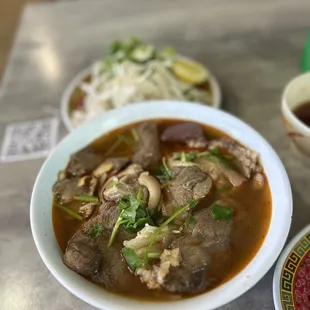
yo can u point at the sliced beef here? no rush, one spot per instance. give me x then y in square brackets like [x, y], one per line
[93, 259]
[147, 153]
[193, 255]
[106, 217]
[83, 162]
[190, 134]
[183, 280]
[212, 169]
[199, 246]
[190, 275]
[187, 183]
[112, 272]
[247, 159]
[216, 235]
[219, 172]
[66, 189]
[82, 255]
[126, 182]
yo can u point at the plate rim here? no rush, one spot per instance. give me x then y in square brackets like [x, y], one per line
[280, 263]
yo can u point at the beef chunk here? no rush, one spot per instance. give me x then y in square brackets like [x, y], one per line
[82, 255]
[247, 159]
[219, 172]
[93, 259]
[66, 189]
[148, 151]
[199, 247]
[187, 183]
[190, 134]
[112, 272]
[83, 162]
[210, 232]
[107, 216]
[190, 275]
[127, 183]
[183, 280]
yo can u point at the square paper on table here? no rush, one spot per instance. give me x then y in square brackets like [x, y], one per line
[29, 140]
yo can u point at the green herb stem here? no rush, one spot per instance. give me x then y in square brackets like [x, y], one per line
[119, 222]
[162, 226]
[153, 255]
[69, 211]
[86, 198]
[113, 147]
[135, 135]
[110, 185]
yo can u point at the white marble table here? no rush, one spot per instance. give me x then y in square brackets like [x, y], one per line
[253, 47]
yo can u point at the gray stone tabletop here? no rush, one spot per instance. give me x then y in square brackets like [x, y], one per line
[253, 47]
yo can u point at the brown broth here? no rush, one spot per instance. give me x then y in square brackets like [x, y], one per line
[247, 237]
[302, 112]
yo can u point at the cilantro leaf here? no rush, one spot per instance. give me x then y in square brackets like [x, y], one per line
[95, 231]
[192, 202]
[164, 171]
[221, 213]
[132, 259]
[133, 215]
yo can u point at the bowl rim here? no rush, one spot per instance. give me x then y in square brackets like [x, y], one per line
[77, 79]
[226, 292]
[287, 111]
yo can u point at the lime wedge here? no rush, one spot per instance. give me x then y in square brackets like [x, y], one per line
[189, 71]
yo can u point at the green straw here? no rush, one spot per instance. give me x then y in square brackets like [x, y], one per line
[305, 60]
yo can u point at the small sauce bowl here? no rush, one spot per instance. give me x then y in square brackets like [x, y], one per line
[296, 93]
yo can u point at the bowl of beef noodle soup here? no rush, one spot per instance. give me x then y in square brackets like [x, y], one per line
[146, 207]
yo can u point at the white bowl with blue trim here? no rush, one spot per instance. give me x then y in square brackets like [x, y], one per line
[41, 205]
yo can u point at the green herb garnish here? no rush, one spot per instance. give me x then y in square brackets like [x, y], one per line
[135, 135]
[221, 213]
[110, 185]
[133, 215]
[69, 211]
[115, 47]
[185, 156]
[119, 140]
[164, 171]
[95, 231]
[130, 142]
[86, 198]
[153, 255]
[132, 259]
[225, 159]
[166, 53]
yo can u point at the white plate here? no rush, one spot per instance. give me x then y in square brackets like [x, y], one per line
[41, 204]
[72, 86]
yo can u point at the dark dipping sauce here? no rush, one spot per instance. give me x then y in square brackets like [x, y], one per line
[220, 242]
[302, 112]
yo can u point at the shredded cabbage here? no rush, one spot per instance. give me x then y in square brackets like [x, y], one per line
[127, 82]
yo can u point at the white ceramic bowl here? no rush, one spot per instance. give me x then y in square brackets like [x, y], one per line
[41, 203]
[296, 93]
[74, 84]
